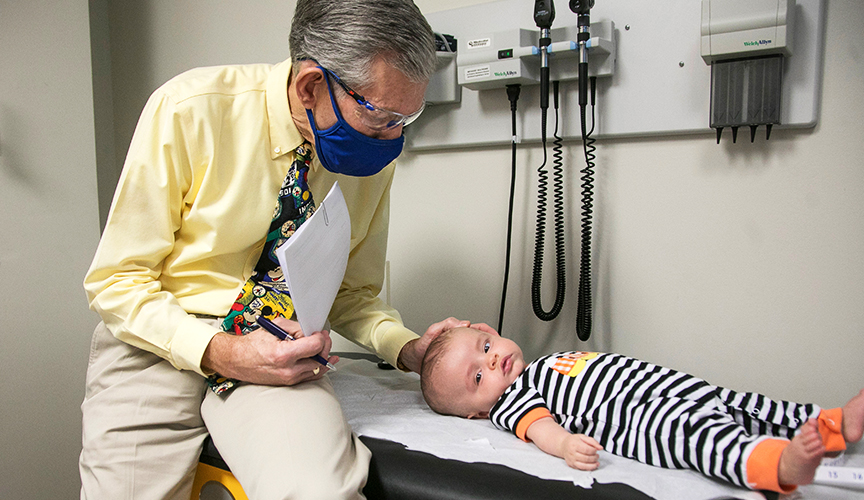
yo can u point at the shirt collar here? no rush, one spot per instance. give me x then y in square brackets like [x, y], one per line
[284, 136]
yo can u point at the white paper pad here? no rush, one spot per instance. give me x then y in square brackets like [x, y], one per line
[314, 259]
[387, 404]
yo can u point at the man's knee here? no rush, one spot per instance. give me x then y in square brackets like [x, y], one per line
[339, 475]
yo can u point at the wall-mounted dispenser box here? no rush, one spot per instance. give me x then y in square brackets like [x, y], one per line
[745, 28]
[746, 42]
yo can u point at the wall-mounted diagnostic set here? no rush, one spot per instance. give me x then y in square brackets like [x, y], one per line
[648, 57]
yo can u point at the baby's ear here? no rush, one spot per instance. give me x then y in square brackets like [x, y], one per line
[478, 415]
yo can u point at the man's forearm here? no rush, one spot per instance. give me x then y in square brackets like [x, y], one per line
[409, 358]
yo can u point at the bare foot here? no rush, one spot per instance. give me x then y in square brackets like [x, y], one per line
[853, 419]
[799, 460]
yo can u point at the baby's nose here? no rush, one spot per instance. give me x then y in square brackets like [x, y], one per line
[493, 361]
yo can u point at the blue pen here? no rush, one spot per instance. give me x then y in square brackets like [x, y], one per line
[282, 334]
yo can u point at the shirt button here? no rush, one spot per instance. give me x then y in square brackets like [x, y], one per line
[277, 150]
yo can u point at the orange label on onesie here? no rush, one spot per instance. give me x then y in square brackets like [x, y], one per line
[571, 364]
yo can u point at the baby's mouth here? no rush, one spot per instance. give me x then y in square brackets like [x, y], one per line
[506, 364]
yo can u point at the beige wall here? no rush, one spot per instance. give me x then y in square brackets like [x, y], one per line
[49, 222]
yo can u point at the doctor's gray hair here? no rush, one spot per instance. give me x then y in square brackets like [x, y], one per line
[346, 36]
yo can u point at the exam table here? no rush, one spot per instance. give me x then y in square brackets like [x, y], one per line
[396, 473]
[420, 455]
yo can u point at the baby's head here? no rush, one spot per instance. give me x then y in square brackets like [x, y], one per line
[466, 370]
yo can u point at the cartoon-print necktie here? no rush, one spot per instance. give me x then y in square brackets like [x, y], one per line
[265, 292]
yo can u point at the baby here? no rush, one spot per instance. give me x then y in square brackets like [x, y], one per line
[633, 409]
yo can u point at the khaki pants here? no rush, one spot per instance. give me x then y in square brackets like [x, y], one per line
[144, 424]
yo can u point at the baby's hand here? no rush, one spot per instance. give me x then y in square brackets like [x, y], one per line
[580, 452]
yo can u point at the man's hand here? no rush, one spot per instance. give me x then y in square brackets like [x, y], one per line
[261, 358]
[411, 355]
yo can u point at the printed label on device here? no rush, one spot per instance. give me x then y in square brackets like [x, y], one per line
[480, 43]
[477, 72]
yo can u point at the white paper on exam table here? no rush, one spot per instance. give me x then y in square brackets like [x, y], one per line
[314, 259]
[388, 405]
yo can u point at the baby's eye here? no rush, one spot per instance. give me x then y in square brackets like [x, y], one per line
[486, 347]
[478, 377]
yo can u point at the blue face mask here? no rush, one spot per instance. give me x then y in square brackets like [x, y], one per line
[343, 150]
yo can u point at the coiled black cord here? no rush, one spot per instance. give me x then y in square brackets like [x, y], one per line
[557, 149]
[540, 234]
[513, 97]
[583, 312]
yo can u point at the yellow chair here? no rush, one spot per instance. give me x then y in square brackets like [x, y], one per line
[213, 478]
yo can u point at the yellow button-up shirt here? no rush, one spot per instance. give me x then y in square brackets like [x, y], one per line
[193, 206]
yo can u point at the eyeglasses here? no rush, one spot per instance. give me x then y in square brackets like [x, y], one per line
[372, 116]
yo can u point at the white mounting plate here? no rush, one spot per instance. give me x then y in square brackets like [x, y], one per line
[660, 86]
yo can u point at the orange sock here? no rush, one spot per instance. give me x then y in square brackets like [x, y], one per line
[831, 429]
[764, 460]
[763, 464]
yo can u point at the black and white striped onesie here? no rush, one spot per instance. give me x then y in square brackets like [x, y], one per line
[653, 414]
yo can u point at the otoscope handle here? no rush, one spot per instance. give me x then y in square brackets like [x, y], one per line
[584, 22]
[583, 84]
[544, 88]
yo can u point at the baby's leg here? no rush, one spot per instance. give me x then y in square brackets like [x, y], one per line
[761, 415]
[853, 419]
[799, 460]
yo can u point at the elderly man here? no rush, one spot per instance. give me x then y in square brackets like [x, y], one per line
[185, 263]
